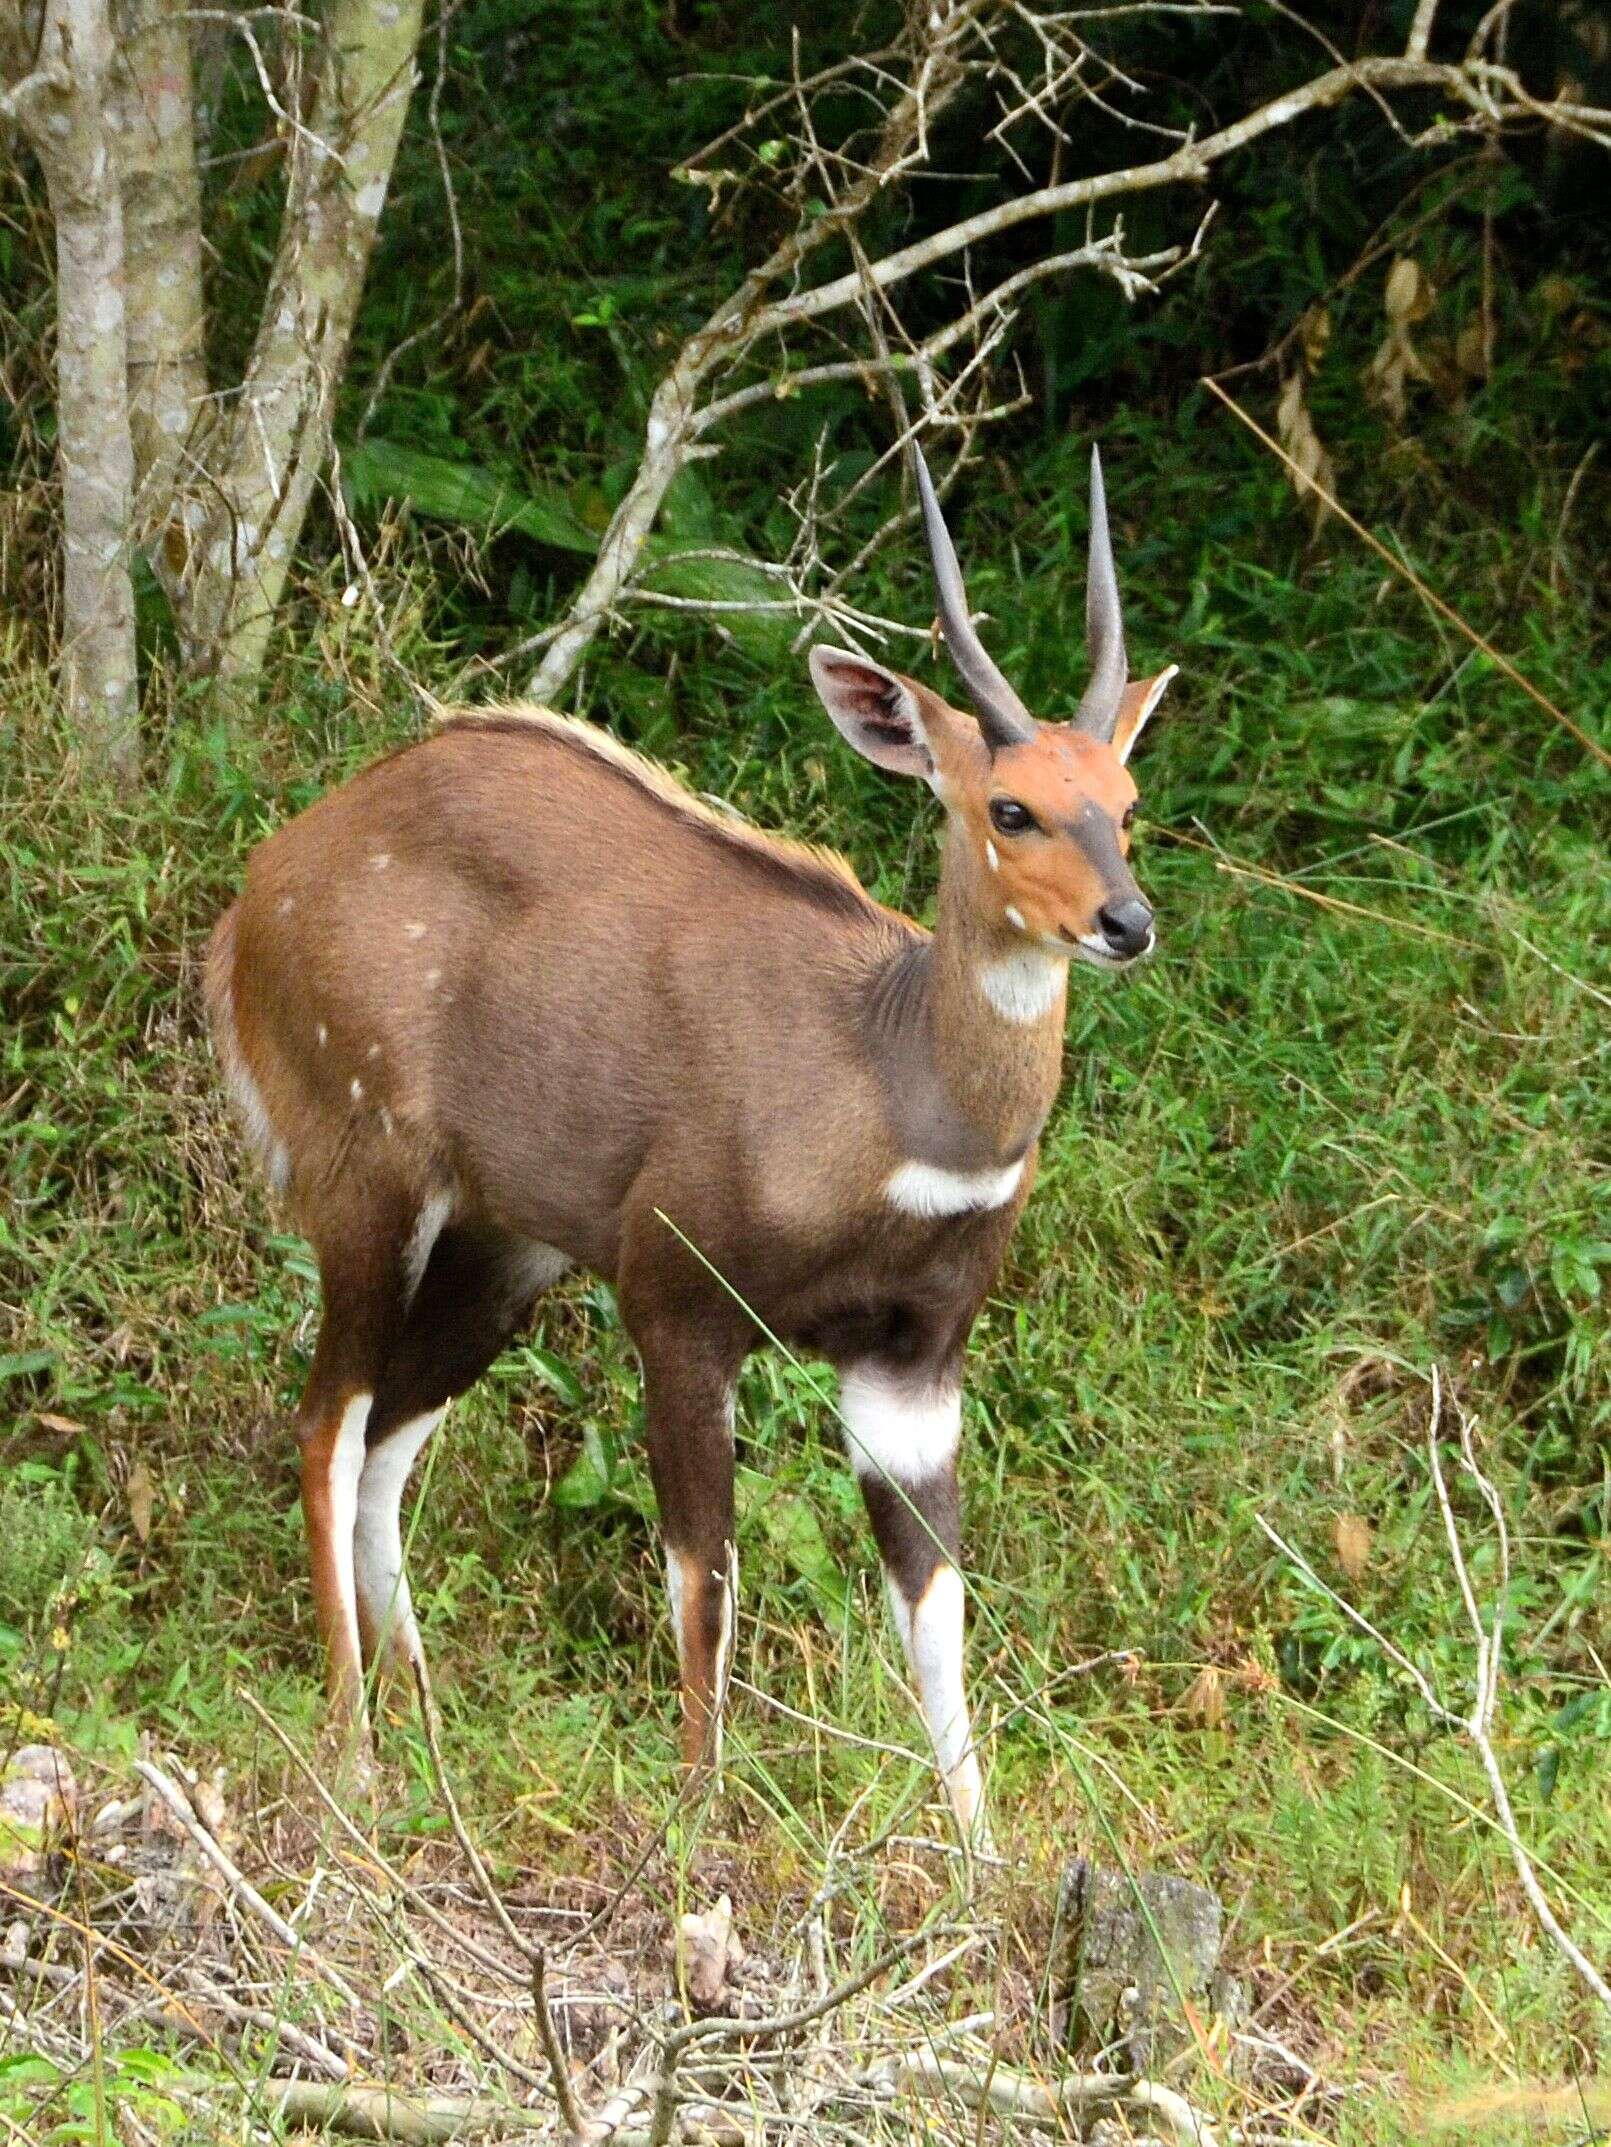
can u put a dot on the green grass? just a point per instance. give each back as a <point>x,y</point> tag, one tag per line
<point>1354,1120</point>
<point>1305,1155</point>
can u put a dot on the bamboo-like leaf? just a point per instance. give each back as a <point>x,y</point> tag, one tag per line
<point>470,496</point>
<point>463,493</point>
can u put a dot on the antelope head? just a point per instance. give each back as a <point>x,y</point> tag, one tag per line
<point>1042,810</point>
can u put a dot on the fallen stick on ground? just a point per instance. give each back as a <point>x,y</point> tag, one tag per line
<point>1008,2093</point>
<point>240,1887</point>
<point>298,2042</point>
<point>409,1893</point>
<point>383,2113</point>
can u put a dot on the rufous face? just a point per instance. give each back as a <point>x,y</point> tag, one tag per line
<point>1046,817</point>
<point>1048,824</point>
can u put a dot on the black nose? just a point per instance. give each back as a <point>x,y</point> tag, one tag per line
<point>1126,925</point>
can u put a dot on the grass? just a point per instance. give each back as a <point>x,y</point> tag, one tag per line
<point>1353,1121</point>
<point>1307,1153</point>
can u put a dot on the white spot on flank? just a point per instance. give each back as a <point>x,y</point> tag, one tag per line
<point>1024,985</point>
<point>324,1035</point>
<point>380,860</point>
<point>897,1431</point>
<point>413,930</point>
<point>287,904</point>
<point>433,977</point>
<point>357,1090</point>
<point>927,1189</point>
<point>990,853</point>
<point>1015,917</point>
<point>373,1052</point>
<point>381,1585</point>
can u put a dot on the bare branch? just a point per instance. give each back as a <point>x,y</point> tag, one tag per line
<point>1479,1724</point>
<point>1009,2093</point>
<point>1036,64</point>
<point>1426,12</point>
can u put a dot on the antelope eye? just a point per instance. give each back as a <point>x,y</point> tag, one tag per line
<point>1010,817</point>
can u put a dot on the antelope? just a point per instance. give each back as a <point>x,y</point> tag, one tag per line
<point>512,1000</point>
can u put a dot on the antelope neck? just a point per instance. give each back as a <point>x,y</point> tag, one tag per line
<point>968,1087</point>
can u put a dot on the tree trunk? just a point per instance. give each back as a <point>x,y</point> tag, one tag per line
<point>262,464</point>
<point>60,85</point>
<point>162,251</point>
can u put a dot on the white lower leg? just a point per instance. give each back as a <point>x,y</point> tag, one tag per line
<point>728,1583</point>
<point>931,1632</point>
<point>345,1467</point>
<point>687,1580</point>
<point>381,1583</point>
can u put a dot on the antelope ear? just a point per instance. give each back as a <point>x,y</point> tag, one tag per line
<point>875,710</point>
<point>1139,699</point>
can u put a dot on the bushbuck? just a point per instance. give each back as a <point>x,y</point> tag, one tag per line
<point>513,1000</point>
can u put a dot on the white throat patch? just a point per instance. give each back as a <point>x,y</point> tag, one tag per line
<point>926,1189</point>
<point>1024,985</point>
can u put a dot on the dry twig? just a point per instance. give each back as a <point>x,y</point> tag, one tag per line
<point>758,345</point>
<point>240,1888</point>
<point>1476,1724</point>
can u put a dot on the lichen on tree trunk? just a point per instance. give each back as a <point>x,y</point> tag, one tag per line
<point>58,65</point>
<point>156,153</point>
<point>264,461</point>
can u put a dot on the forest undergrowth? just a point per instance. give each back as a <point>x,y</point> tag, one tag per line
<point>1352,1123</point>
